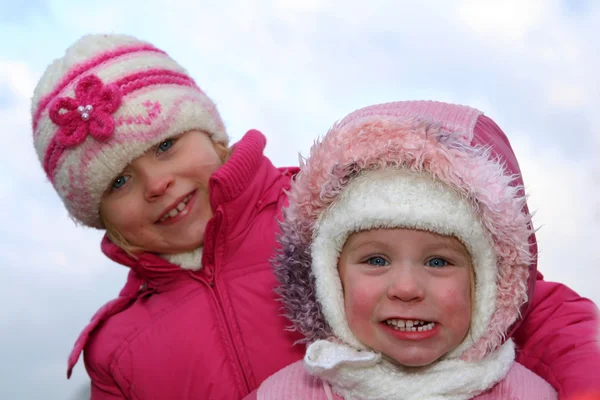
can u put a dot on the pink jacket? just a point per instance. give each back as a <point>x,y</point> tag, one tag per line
<point>293,382</point>
<point>212,334</point>
<point>557,340</point>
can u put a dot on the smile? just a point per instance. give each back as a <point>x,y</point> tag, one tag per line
<point>177,209</point>
<point>410,325</point>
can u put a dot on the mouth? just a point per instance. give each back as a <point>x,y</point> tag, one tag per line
<point>409,325</point>
<point>174,210</point>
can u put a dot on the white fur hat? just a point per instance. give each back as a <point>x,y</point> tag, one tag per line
<point>400,198</point>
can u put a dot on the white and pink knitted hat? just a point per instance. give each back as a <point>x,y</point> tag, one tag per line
<point>105,103</point>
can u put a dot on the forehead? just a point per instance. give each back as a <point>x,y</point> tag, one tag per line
<point>397,236</point>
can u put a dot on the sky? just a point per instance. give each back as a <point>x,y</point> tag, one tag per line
<point>291,68</point>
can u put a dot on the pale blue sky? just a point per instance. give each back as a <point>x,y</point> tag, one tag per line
<point>290,68</point>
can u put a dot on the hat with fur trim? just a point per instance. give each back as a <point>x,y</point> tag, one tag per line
<point>424,165</point>
<point>103,104</point>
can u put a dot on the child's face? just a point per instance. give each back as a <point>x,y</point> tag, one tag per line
<point>160,203</point>
<point>394,277</point>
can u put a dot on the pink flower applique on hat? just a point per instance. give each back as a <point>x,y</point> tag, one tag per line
<point>90,112</point>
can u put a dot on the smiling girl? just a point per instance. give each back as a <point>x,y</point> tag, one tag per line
<point>133,146</point>
<point>406,261</point>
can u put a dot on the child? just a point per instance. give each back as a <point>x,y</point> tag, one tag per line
<point>197,317</point>
<point>407,257</point>
<point>132,145</point>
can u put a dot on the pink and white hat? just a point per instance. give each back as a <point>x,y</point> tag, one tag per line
<point>103,104</point>
<point>424,165</point>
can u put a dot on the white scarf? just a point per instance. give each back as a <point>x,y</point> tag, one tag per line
<point>190,260</point>
<point>365,375</point>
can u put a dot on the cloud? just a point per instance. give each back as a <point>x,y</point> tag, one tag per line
<point>291,68</point>
<point>48,264</point>
<point>508,21</point>
<point>564,197</point>
<point>566,95</point>
<point>14,11</point>
<point>18,77</point>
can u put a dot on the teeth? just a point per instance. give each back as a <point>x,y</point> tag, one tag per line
<point>409,325</point>
<point>177,209</point>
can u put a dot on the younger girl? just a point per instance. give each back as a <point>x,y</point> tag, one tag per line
<point>133,145</point>
<point>406,260</point>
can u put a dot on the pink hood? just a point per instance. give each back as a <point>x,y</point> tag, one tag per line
<point>459,146</point>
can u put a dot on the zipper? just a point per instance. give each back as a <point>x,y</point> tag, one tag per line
<point>210,280</point>
<point>215,292</point>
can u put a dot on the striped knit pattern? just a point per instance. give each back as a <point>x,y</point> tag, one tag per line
<point>453,117</point>
<point>158,100</point>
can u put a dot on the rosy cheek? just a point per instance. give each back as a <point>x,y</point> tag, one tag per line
<point>359,306</point>
<point>457,303</point>
<point>452,294</point>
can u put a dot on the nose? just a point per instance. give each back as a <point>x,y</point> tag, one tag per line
<point>157,184</point>
<point>406,284</point>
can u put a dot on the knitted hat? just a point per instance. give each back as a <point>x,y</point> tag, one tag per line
<point>105,103</point>
<point>424,165</point>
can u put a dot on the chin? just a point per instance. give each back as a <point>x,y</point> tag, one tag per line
<point>190,247</point>
<point>185,245</point>
<point>411,362</point>
<point>178,248</point>
<point>196,233</point>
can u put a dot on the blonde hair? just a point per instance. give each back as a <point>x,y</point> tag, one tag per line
<point>223,151</point>
<point>117,238</point>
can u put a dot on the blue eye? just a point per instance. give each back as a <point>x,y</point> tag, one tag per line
<point>119,182</point>
<point>377,261</point>
<point>165,145</point>
<point>436,263</point>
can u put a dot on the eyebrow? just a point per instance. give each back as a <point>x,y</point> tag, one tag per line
<point>360,244</point>
<point>447,242</point>
<point>444,242</point>
<point>455,250</point>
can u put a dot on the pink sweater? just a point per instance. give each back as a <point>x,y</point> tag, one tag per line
<point>293,382</point>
